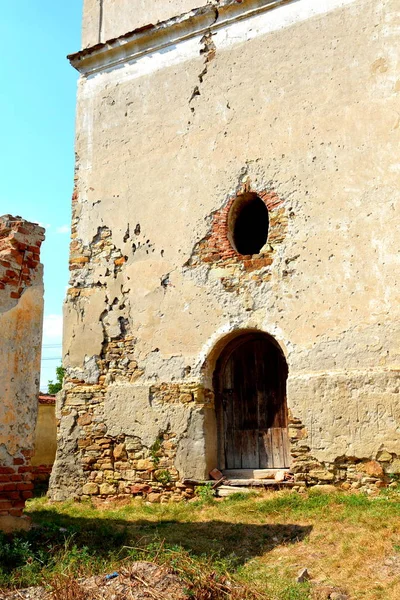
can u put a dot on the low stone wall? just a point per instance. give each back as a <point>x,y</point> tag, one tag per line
<point>93,459</point>
<point>96,459</point>
<point>348,472</point>
<point>21,315</point>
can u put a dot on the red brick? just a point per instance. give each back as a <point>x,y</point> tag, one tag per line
<point>7,487</point>
<point>7,471</point>
<point>27,494</point>
<point>28,453</point>
<point>24,486</point>
<point>14,495</point>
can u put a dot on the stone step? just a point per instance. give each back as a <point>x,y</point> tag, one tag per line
<point>252,473</point>
<point>246,486</point>
<point>256,482</point>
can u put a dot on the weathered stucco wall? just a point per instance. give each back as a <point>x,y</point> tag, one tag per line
<point>21,314</point>
<point>107,19</point>
<point>301,104</point>
<point>45,439</point>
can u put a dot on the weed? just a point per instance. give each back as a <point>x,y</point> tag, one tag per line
<point>154,450</point>
<point>163,476</point>
<point>205,492</point>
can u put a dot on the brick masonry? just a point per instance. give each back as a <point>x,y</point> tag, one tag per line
<point>21,314</point>
<point>217,251</point>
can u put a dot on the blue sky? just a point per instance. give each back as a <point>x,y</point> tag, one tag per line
<point>37,108</point>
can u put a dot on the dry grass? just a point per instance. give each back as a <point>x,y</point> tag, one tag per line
<point>240,547</point>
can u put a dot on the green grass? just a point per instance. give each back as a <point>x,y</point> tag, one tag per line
<point>259,542</point>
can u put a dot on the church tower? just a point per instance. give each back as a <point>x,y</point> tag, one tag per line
<point>234,294</point>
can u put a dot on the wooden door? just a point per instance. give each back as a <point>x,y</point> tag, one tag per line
<point>252,405</point>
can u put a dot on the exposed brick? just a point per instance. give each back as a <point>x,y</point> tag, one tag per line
<point>6,471</point>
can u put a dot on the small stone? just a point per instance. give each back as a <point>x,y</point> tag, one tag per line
<point>107,489</point>
<point>371,468</point>
<point>322,475</point>
<point>394,467</point>
<point>325,488</point>
<point>153,497</point>
<point>140,488</point>
<point>346,486</point>
<point>384,456</point>
<point>90,489</point>
<point>145,465</point>
<point>119,451</point>
<point>302,576</point>
<point>85,419</point>
<point>280,476</point>
<point>185,398</point>
<point>380,484</point>
<point>338,596</point>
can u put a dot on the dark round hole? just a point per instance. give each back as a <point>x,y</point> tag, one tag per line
<point>250,227</point>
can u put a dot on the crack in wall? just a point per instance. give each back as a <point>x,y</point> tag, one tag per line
<point>209,51</point>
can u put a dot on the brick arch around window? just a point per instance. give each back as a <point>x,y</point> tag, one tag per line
<point>217,249</point>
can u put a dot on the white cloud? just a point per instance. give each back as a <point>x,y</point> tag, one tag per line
<point>52,328</point>
<point>45,225</point>
<point>63,229</point>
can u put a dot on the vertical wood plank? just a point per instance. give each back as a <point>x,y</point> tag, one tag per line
<point>266,453</point>
<point>250,454</point>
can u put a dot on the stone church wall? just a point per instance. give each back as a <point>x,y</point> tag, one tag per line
<point>21,316</point>
<point>298,104</point>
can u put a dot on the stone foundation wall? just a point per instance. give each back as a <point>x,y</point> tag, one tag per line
<point>347,472</point>
<point>94,461</point>
<point>21,314</point>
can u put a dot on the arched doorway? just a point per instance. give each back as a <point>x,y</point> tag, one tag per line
<point>250,389</point>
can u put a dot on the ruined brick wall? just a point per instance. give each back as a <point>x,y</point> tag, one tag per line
<point>297,103</point>
<point>21,316</point>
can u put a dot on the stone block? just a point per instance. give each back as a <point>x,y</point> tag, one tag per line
<point>107,489</point>
<point>119,451</point>
<point>90,489</point>
<point>154,497</point>
<point>394,467</point>
<point>384,456</point>
<point>371,468</point>
<point>322,475</point>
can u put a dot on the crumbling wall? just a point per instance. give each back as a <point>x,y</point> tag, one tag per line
<point>299,105</point>
<point>21,316</point>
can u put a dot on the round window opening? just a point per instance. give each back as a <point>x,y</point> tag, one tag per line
<point>248,224</point>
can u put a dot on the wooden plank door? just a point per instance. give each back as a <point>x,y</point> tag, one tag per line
<point>252,389</point>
